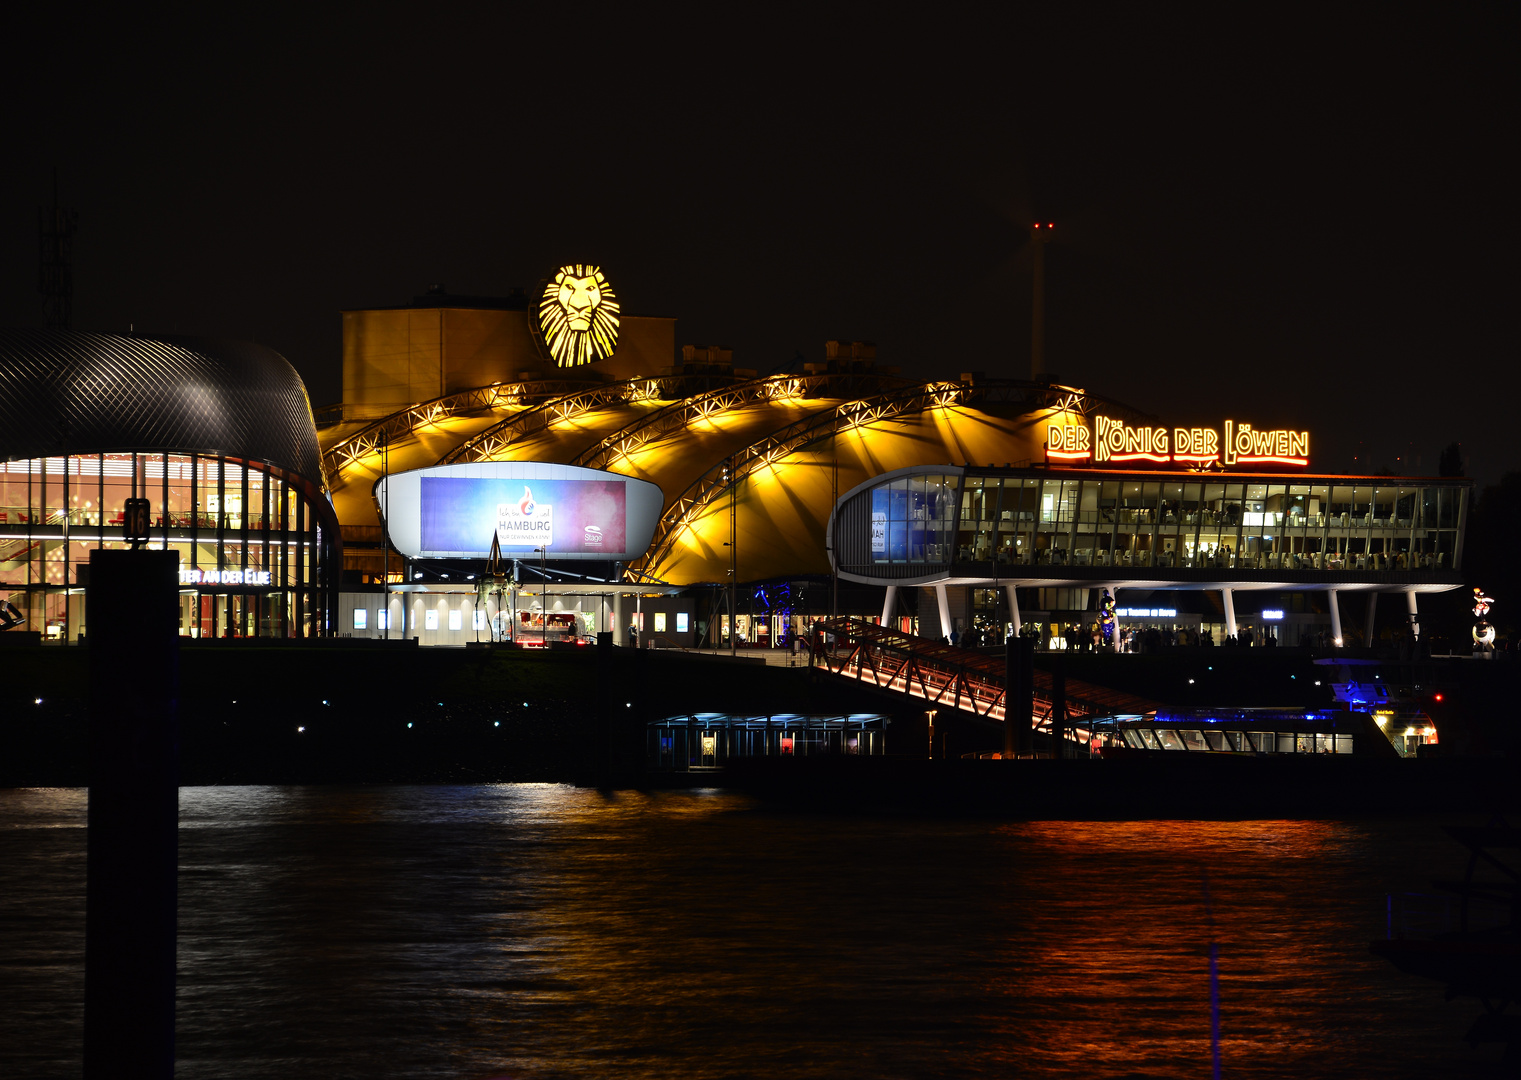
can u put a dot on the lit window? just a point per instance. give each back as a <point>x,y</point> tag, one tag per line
<point>456,619</point>
<point>659,622</point>
<point>681,622</point>
<point>430,619</point>
<point>1169,739</point>
<point>361,618</point>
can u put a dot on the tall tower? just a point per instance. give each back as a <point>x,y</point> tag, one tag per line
<point>1039,235</point>
<point>55,269</point>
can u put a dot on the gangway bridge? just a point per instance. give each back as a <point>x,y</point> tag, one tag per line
<point>948,677</point>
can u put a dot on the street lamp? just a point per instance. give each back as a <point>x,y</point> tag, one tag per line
<point>543,597</point>
<point>931,714</point>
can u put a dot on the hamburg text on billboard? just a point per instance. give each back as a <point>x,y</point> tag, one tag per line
<point>461,513</point>
<point>525,523</point>
<point>1115,440</point>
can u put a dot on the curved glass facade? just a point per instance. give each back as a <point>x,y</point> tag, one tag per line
<point>256,543</point>
<point>915,522</point>
<point>913,519</point>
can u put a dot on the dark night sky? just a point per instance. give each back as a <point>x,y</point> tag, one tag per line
<point>1299,220</point>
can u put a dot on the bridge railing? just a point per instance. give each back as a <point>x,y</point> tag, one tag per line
<point>951,677</point>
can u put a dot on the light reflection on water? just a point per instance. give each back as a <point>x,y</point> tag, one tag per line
<point>539,930</point>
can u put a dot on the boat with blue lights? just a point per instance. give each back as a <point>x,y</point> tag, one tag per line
<point>1370,718</point>
<point>1245,732</point>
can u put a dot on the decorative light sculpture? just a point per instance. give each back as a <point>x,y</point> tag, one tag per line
<point>578,316</point>
<point>1483,632</point>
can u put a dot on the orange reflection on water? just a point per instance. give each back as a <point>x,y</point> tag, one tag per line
<point>1111,960</point>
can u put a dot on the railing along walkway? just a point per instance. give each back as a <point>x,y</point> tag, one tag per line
<point>951,677</point>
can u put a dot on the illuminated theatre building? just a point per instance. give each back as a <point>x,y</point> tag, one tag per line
<point>218,436</point>
<point>663,478</point>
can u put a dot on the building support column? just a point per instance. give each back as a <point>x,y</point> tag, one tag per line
<point>1415,616</point>
<point>1368,627</point>
<point>1335,618</point>
<point>1014,608</point>
<point>620,631</point>
<point>945,612</point>
<point>1058,709</point>
<point>888,603</point>
<point>1230,612</point>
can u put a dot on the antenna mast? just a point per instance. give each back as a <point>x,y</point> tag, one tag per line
<point>55,270</point>
<point>1039,235</point>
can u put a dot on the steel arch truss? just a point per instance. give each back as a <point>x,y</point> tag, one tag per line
<point>677,417</point>
<point>847,416</point>
<point>399,425</point>
<point>490,444</point>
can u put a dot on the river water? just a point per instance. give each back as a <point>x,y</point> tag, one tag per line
<point>547,931</point>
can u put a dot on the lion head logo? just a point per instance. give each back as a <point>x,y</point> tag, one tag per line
<point>578,316</point>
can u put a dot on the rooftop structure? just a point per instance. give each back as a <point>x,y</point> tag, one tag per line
<point>218,436</point>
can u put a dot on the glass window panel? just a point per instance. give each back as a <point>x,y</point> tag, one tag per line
<point>15,487</point>
<point>1133,739</point>
<point>232,495</point>
<point>1050,503</point>
<point>180,470</point>
<point>361,619</point>
<point>207,502</point>
<point>1304,744</point>
<point>1192,740</point>
<point>1344,744</point>
<point>1215,739</point>
<point>1169,739</point>
<point>1285,742</point>
<point>879,502</point>
<point>255,499</point>
<point>50,490</point>
<point>1149,739</point>
<point>1235,741</point>
<point>84,490</point>
<point>1264,742</point>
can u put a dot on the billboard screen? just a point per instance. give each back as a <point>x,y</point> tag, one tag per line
<point>461,513</point>
<point>452,511</point>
